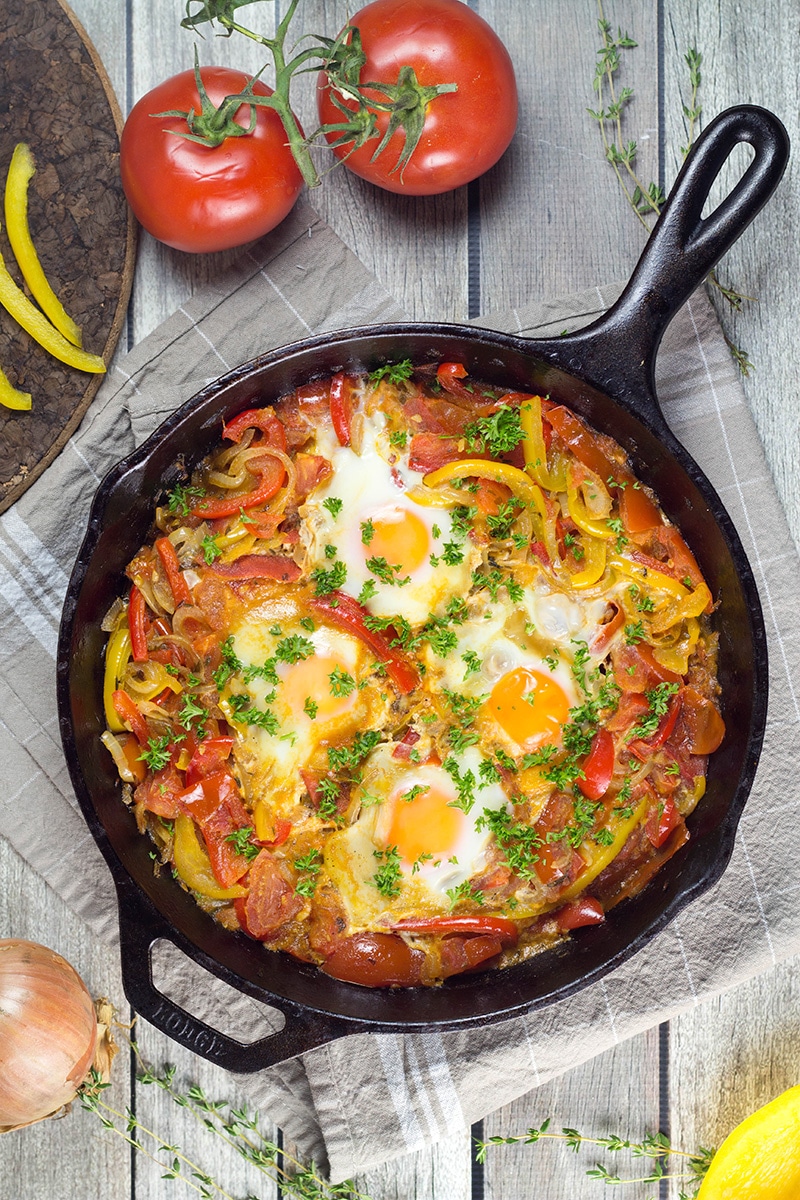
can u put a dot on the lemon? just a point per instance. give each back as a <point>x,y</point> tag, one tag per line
<point>760,1159</point>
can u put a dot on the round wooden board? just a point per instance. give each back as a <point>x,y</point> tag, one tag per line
<point>56,96</point>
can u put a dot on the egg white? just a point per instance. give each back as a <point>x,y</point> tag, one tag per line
<point>373,485</point>
<point>352,854</point>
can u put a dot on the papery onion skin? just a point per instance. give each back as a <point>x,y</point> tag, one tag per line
<point>48,1033</point>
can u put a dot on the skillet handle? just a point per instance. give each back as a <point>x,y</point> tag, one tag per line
<point>140,927</point>
<point>681,250</point>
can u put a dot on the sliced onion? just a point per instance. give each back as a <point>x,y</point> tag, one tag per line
<point>48,1033</point>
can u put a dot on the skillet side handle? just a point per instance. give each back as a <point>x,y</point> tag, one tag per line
<point>304,1030</point>
<point>683,247</point>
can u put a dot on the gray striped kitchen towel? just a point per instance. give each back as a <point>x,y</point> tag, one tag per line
<point>370,1097</point>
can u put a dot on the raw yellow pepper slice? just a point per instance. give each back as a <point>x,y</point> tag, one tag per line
<point>11,397</point>
<point>20,173</point>
<point>603,855</point>
<point>194,866</point>
<point>34,322</point>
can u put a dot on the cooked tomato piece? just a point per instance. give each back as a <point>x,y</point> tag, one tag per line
<point>375,960</point>
<point>259,566</point>
<point>429,451</point>
<point>637,670</point>
<point>160,793</point>
<point>271,901</point>
<point>460,954</point>
<point>701,726</point>
<point>312,470</point>
<point>215,805</point>
<point>208,758</point>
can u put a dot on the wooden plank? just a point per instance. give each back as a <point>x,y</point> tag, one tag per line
<point>734,1053</point>
<point>74,1156</point>
<point>553,217</point>
<point>617,1092</point>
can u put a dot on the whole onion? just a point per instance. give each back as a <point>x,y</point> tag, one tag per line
<point>48,1033</point>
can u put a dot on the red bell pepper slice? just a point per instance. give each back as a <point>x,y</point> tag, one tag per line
<point>661,821</point>
<point>137,624</point>
<point>406,744</point>
<point>257,418</point>
<point>272,472</point>
<point>499,927</point>
<point>172,569</point>
<point>598,766</point>
<point>345,612</point>
<point>341,402</point>
<point>128,712</point>
<point>215,805</point>
<point>281,827</point>
<point>583,911</point>
<point>606,633</point>
<point>259,566</point>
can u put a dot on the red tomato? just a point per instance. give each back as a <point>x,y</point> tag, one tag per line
<point>198,198</point>
<point>465,131</point>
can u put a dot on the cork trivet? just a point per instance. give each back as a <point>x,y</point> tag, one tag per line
<point>56,96</point>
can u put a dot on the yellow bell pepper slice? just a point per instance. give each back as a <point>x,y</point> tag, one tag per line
<point>483,468</point>
<point>34,322</point>
<point>581,515</point>
<point>603,855</point>
<point>118,652</point>
<point>533,447</point>
<point>20,173</point>
<point>676,658</point>
<point>194,866</point>
<point>690,606</point>
<point>10,397</point>
<point>652,579</point>
<point>593,563</point>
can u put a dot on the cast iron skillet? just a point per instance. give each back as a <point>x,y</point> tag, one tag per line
<point>605,373</point>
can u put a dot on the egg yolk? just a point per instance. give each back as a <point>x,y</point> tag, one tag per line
<point>401,537</point>
<point>310,679</point>
<point>426,824</point>
<point>529,706</point>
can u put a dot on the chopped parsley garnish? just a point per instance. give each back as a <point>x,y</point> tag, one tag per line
<point>539,757</point>
<point>398,437</point>
<point>347,758</point>
<point>240,839</point>
<point>473,663</point>
<point>643,603</point>
<point>387,878</point>
<point>499,523</point>
<point>157,754</point>
<point>292,649</point>
<point>493,579</point>
<point>418,789</point>
<point>367,531</point>
<point>244,713</point>
<point>310,865</point>
<point>386,572</point>
<point>334,505</point>
<point>342,684</point>
<point>178,499</point>
<point>192,712</point>
<point>329,799</point>
<point>464,891</point>
<point>229,665</point>
<point>307,623</point>
<point>634,632</point>
<point>659,700</point>
<point>325,581</point>
<point>497,434</point>
<point>392,372</point>
<point>310,708</point>
<point>211,550</point>
<point>266,671</point>
<point>517,841</point>
<point>369,589</point>
<point>330,551</point>
<point>465,784</point>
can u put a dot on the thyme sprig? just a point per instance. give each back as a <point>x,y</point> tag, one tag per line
<point>236,1127</point>
<point>647,200</point>
<point>653,1146</point>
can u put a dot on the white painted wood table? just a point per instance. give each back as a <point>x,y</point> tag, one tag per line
<point>549,220</point>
